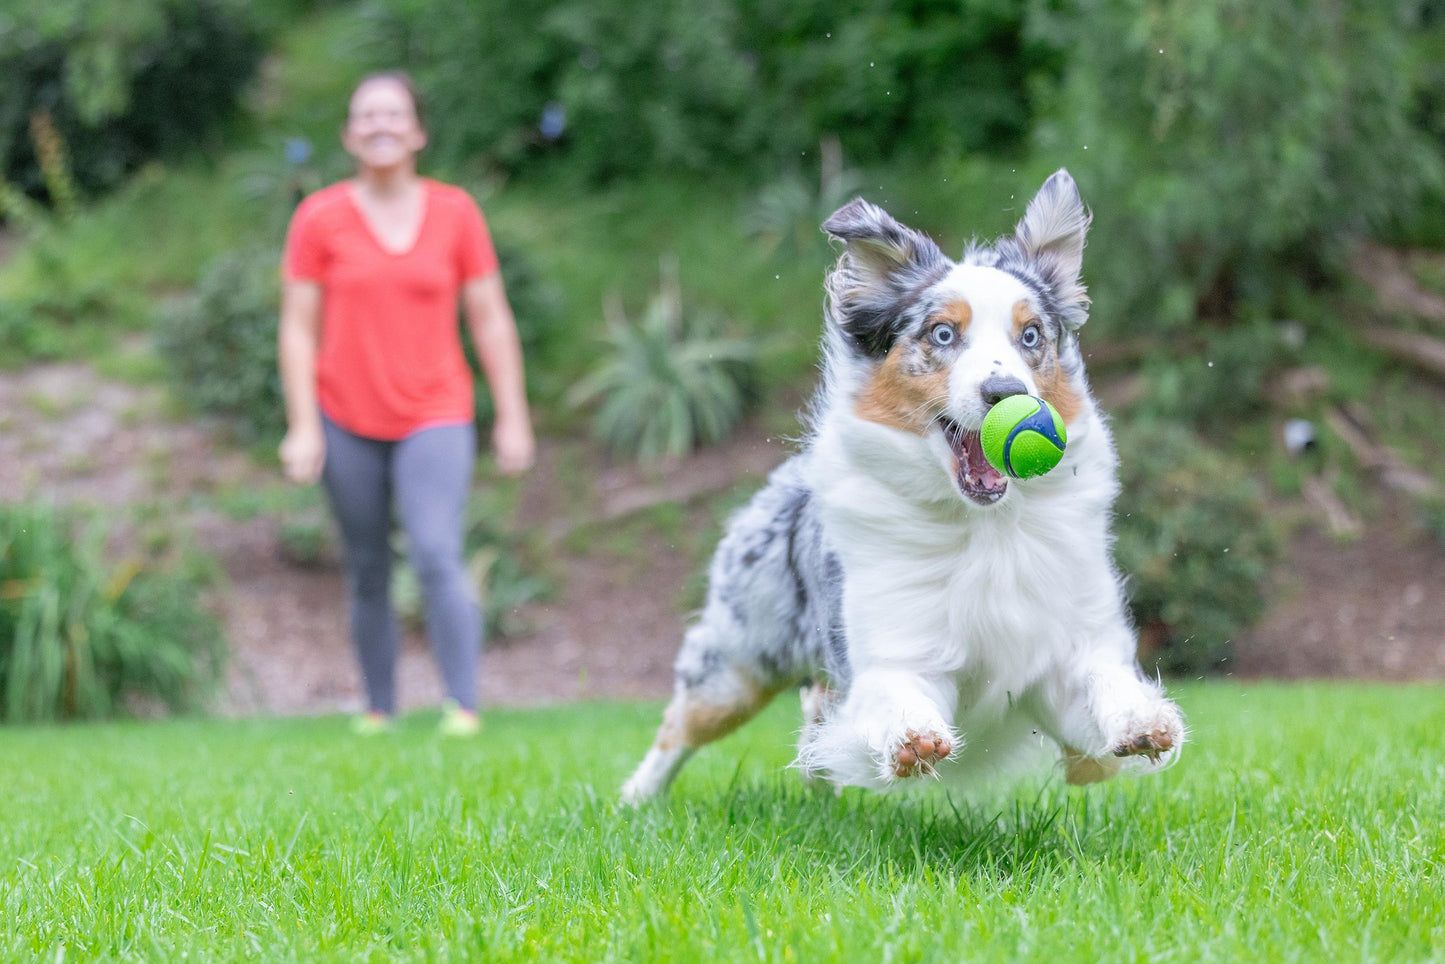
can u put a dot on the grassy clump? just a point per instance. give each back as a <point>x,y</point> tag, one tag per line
<point>1293,828</point>
<point>81,638</point>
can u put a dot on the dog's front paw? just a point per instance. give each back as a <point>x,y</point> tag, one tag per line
<point>920,753</point>
<point>1155,736</point>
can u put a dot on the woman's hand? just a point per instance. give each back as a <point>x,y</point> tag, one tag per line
<point>303,454</point>
<point>515,445</point>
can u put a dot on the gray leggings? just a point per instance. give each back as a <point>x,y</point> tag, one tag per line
<point>427,476</point>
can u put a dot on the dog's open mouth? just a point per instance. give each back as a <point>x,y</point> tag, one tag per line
<point>975,477</point>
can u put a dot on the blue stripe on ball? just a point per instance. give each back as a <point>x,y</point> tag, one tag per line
<point>1040,421</point>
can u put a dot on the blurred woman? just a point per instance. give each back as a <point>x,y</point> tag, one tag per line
<point>379,401</point>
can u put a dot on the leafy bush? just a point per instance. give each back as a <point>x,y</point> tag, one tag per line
<point>123,80</point>
<point>221,342</point>
<point>620,88</point>
<point>1194,542</point>
<point>667,381</point>
<point>1219,376</point>
<point>78,637</point>
<point>1231,150</point>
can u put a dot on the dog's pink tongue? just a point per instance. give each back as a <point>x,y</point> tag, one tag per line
<point>980,469</point>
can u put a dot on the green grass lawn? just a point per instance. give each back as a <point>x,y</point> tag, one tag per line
<point>1303,824</point>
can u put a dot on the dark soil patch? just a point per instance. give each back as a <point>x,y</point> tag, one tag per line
<point>1373,608</point>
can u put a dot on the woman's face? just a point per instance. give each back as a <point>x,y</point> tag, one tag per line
<point>382,130</point>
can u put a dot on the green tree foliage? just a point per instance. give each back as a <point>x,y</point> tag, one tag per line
<point>1424,225</point>
<point>1232,149</point>
<point>78,637</point>
<point>122,80</point>
<point>736,84</point>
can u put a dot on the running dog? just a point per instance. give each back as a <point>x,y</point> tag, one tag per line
<point>933,609</point>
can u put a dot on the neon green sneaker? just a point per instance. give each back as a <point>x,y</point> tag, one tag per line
<point>458,722</point>
<point>370,724</point>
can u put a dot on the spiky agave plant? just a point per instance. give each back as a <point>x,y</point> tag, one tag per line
<point>669,380</point>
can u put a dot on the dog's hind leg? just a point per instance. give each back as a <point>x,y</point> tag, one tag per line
<point>712,698</point>
<point>761,629</point>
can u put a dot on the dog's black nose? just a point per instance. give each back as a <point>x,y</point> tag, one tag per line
<point>996,388</point>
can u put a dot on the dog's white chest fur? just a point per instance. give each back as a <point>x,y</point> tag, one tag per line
<point>991,598</point>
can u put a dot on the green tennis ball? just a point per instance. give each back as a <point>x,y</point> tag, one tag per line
<point>1023,436</point>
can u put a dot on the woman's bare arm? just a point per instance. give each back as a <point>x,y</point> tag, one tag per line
<point>298,341</point>
<point>494,332</point>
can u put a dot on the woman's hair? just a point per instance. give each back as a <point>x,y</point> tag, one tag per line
<point>401,78</point>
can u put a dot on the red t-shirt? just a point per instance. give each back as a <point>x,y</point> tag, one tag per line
<point>391,358</point>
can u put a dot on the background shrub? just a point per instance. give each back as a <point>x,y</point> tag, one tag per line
<point>221,342</point>
<point>123,80</point>
<point>1194,542</point>
<point>79,637</point>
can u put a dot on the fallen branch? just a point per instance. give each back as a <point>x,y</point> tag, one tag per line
<point>1389,274</point>
<point>1104,354</point>
<point>1420,351</point>
<point>1392,470</point>
<point>1338,517</point>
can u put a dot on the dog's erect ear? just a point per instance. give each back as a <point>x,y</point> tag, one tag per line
<point>1052,235</point>
<point>883,264</point>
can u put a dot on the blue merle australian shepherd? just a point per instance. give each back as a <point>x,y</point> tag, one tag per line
<point>933,609</point>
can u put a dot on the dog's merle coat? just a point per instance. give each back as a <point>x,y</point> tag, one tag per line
<point>888,565</point>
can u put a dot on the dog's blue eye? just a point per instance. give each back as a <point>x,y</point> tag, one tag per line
<point>1031,337</point>
<point>942,335</point>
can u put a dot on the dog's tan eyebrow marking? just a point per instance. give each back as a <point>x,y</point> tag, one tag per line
<point>1054,383</point>
<point>957,313</point>
<point>1023,315</point>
